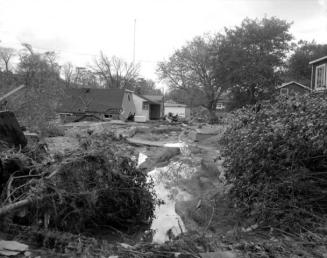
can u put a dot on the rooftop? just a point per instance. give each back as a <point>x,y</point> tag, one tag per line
<point>78,100</point>
<point>291,82</point>
<point>318,60</point>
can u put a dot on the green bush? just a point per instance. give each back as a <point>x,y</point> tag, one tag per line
<point>276,162</point>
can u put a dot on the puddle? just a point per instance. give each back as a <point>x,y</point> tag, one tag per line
<point>141,159</point>
<point>182,145</point>
<point>167,222</point>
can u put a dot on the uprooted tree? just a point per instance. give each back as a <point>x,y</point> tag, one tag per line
<point>276,163</point>
<point>86,190</point>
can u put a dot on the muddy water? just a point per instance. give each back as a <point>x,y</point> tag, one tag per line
<point>167,222</point>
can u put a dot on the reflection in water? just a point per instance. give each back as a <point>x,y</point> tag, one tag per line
<point>167,222</point>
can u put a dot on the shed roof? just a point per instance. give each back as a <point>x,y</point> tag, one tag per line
<point>78,100</point>
<point>168,104</point>
<point>154,98</point>
<point>293,82</point>
<point>151,99</point>
<point>318,60</point>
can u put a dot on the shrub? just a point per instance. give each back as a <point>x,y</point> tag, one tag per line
<point>52,130</point>
<point>276,162</point>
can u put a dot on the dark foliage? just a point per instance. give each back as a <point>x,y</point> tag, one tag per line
<point>276,161</point>
<point>92,188</point>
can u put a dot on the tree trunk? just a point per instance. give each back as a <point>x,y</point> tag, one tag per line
<point>213,119</point>
<point>15,206</point>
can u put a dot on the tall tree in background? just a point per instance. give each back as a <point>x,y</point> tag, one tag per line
<point>85,78</point>
<point>197,67</point>
<point>41,75</point>
<point>192,97</point>
<point>254,54</point>
<point>6,54</point>
<point>146,87</point>
<point>114,72</point>
<point>68,73</point>
<point>298,63</point>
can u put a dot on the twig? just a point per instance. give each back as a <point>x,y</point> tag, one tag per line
<point>210,220</point>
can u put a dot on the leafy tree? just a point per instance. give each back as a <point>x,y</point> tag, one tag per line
<point>254,54</point>
<point>298,63</point>
<point>146,87</point>
<point>192,98</point>
<point>41,75</point>
<point>114,72</point>
<point>197,67</point>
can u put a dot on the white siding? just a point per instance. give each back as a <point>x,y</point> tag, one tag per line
<point>138,102</point>
<point>180,111</point>
<point>128,106</point>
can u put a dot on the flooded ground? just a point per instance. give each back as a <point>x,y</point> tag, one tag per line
<point>180,181</point>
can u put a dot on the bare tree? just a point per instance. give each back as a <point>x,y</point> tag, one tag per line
<point>84,77</point>
<point>114,72</point>
<point>6,54</point>
<point>68,72</point>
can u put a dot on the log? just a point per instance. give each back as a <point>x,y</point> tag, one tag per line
<point>15,206</point>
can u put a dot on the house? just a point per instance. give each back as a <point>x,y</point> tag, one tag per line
<point>293,88</point>
<point>147,107</point>
<point>181,110</point>
<point>223,102</point>
<point>95,104</point>
<point>319,74</point>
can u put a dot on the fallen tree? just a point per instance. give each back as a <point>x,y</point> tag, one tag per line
<point>276,163</point>
<point>82,191</point>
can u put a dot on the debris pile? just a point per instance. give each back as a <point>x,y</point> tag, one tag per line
<point>83,191</point>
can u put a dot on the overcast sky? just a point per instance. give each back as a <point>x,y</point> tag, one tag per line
<point>79,29</point>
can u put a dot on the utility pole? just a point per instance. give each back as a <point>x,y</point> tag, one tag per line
<point>134,41</point>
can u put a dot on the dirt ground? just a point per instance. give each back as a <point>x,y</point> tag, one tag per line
<point>190,168</point>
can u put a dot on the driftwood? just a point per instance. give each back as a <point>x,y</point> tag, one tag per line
<point>5,210</point>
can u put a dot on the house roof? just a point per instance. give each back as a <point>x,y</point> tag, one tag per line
<point>224,99</point>
<point>150,98</point>
<point>154,98</point>
<point>318,60</point>
<point>291,82</point>
<point>78,100</point>
<point>167,104</point>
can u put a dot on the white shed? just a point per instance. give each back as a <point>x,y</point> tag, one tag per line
<point>178,109</point>
<point>147,107</point>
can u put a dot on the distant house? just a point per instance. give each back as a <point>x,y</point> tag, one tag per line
<point>181,110</point>
<point>95,104</point>
<point>293,88</point>
<point>319,74</point>
<point>223,103</point>
<point>147,107</point>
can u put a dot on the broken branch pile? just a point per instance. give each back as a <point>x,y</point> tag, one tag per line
<point>85,191</point>
<point>276,162</point>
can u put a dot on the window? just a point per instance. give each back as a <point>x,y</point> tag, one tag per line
<point>145,106</point>
<point>220,106</point>
<point>320,77</point>
<point>284,91</point>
